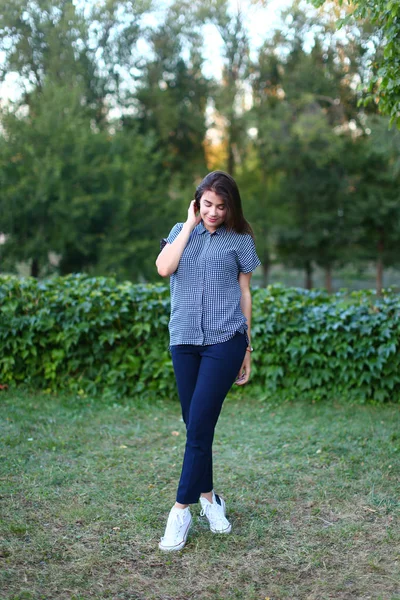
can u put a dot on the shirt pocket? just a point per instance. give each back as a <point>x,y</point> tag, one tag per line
<point>222,267</point>
<point>191,257</point>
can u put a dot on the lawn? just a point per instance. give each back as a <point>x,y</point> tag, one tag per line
<point>312,490</point>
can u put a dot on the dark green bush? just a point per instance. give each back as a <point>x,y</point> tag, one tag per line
<point>92,335</point>
<point>86,335</point>
<point>343,345</point>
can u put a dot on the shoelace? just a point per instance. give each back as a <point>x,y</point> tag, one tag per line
<point>204,511</point>
<point>215,514</point>
<point>179,520</point>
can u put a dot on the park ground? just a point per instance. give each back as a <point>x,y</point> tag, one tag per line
<point>312,490</point>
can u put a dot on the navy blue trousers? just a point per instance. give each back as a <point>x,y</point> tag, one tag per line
<point>204,376</point>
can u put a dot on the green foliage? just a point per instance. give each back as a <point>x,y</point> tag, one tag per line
<point>301,102</point>
<point>70,42</point>
<point>321,176</point>
<point>374,196</point>
<point>103,148</point>
<point>85,334</point>
<point>172,98</point>
<point>52,175</point>
<point>92,335</point>
<point>385,83</point>
<point>83,191</point>
<point>96,199</point>
<point>327,344</point>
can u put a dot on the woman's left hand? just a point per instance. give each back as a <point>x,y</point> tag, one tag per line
<point>245,369</point>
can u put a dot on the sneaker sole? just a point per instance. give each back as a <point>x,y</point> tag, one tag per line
<point>227,530</point>
<point>178,546</point>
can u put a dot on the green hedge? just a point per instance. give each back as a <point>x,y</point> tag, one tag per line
<point>94,335</point>
<point>341,345</point>
<point>86,335</point>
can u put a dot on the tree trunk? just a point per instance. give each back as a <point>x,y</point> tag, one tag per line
<point>35,268</point>
<point>328,279</point>
<point>265,274</point>
<point>308,269</point>
<point>379,264</point>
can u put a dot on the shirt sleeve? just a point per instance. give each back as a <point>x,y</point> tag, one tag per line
<point>247,255</point>
<point>173,234</point>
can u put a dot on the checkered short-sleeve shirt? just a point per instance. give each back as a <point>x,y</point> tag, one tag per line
<point>205,291</point>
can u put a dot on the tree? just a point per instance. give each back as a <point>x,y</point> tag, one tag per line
<point>51,168</point>
<point>98,200</point>
<point>56,40</point>
<point>260,175</point>
<point>140,207</point>
<point>385,83</point>
<point>229,94</point>
<point>57,151</point>
<point>302,105</point>
<point>48,41</point>
<point>171,98</point>
<point>374,195</point>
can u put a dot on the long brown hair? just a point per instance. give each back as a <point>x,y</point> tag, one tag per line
<point>226,187</point>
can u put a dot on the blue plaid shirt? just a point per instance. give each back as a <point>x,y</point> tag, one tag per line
<point>205,291</point>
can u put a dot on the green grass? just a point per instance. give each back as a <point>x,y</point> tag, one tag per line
<point>313,493</point>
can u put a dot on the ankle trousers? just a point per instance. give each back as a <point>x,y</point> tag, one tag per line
<point>204,375</point>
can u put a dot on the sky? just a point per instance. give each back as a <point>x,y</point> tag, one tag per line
<point>261,21</point>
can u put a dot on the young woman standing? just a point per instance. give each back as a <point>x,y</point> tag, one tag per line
<point>210,259</point>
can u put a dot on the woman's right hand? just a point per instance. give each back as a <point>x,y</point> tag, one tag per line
<point>192,218</point>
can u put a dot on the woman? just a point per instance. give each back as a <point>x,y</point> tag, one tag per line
<point>210,259</point>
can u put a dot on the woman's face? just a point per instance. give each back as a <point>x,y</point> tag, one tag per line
<point>212,210</point>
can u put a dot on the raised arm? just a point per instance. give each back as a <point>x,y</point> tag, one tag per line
<point>168,260</point>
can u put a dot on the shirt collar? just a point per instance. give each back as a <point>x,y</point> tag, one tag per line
<point>201,229</point>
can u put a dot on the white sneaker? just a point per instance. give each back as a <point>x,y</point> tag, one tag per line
<point>215,513</point>
<point>177,529</point>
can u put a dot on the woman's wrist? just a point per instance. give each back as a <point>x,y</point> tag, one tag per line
<point>189,226</point>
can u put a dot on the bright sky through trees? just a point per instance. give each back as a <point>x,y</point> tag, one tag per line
<point>260,21</point>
